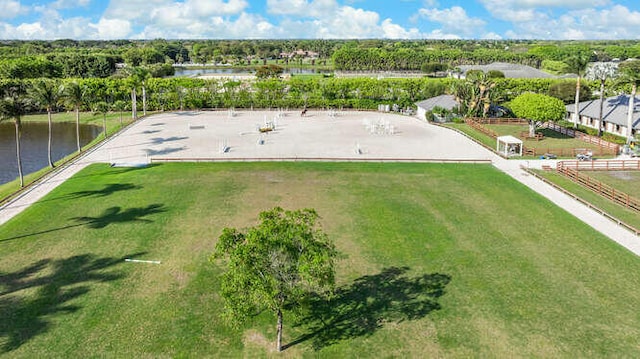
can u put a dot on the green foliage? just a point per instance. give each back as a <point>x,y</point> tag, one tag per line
<point>555,67</point>
<point>495,74</point>
<point>538,107</point>
<point>275,264</point>
<point>566,91</point>
<point>269,71</point>
<point>433,67</point>
<point>29,67</point>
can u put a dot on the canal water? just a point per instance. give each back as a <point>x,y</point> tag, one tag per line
<point>33,145</point>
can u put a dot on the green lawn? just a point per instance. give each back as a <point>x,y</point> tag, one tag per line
<point>439,261</point>
<point>553,142</point>
<point>625,181</point>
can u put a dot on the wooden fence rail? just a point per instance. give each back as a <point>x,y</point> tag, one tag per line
<point>602,165</point>
<point>583,137</point>
<point>600,188</point>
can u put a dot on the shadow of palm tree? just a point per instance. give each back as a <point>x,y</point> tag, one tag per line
<point>361,308</point>
<point>165,151</point>
<point>103,192</point>
<point>160,140</point>
<point>117,215</point>
<point>108,216</point>
<point>55,284</point>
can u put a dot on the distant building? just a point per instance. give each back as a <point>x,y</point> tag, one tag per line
<point>447,102</point>
<point>614,114</point>
<point>515,71</point>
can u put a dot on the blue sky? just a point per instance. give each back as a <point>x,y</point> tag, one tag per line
<point>327,19</point>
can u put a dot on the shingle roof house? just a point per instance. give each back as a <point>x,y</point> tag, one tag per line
<point>614,114</point>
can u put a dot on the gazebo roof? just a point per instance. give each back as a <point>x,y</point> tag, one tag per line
<point>509,139</point>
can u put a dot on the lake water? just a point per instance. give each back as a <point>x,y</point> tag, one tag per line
<point>33,145</point>
<point>184,72</point>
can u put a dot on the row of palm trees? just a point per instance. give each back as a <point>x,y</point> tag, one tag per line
<point>47,94</point>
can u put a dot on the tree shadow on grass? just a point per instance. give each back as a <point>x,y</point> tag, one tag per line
<point>107,190</point>
<point>52,286</point>
<point>361,308</point>
<point>109,216</point>
<point>118,215</point>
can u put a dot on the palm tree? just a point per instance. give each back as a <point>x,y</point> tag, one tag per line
<point>602,71</point>
<point>12,107</point>
<point>75,96</point>
<point>102,108</point>
<point>138,77</point>
<point>577,65</point>
<point>46,94</point>
<point>630,74</point>
<point>119,106</point>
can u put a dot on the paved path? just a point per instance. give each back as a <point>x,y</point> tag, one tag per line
<point>318,135</point>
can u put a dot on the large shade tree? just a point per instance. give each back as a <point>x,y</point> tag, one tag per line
<point>12,107</point>
<point>46,94</point>
<point>629,72</point>
<point>537,109</point>
<point>274,264</point>
<point>577,65</point>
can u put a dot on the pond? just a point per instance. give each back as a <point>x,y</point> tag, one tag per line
<point>33,145</point>
<point>191,72</point>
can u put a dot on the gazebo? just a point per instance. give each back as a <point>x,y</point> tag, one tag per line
<point>509,146</point>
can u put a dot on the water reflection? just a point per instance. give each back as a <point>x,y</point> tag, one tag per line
<point>33,143</point>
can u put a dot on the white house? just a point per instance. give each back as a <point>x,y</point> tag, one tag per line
<point>614,114</point>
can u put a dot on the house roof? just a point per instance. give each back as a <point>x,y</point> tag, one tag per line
<point>614,110</point>
<point>448,102</point>
<point>509,70</point>
<point>509,139</point>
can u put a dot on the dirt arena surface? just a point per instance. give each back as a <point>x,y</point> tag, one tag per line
<point>317,135</point>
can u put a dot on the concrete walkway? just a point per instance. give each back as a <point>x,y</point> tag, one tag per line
<point>318,135</point>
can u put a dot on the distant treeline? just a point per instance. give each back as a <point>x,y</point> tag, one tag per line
<point>87,59</point>
<point>359,93</point>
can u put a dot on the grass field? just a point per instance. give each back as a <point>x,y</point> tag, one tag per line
<point>439,261</point>
<point>553,141</point>
<point>624,181</point>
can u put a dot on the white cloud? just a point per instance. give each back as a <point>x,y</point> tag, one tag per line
<point>108,29</point>
<point>302,8</point>
<point>395,31</point>
<point>617,22</point>
<point>11,8</point>
<point>454,21</point>
<point>66,4</point>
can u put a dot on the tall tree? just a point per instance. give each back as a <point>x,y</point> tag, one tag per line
<point>12,107</point>
<point>602,71</point>
<point>577,65</point>
<point>75,95</point>
<point>537,108</point>
<point>102,107</point>
<point>138,77</point>
<point>275,264</point>
<point>630,74</point>
<point>46,93</point>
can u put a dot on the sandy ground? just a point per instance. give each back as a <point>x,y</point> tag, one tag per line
<point>319,135</point>
<point>345,135</point>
